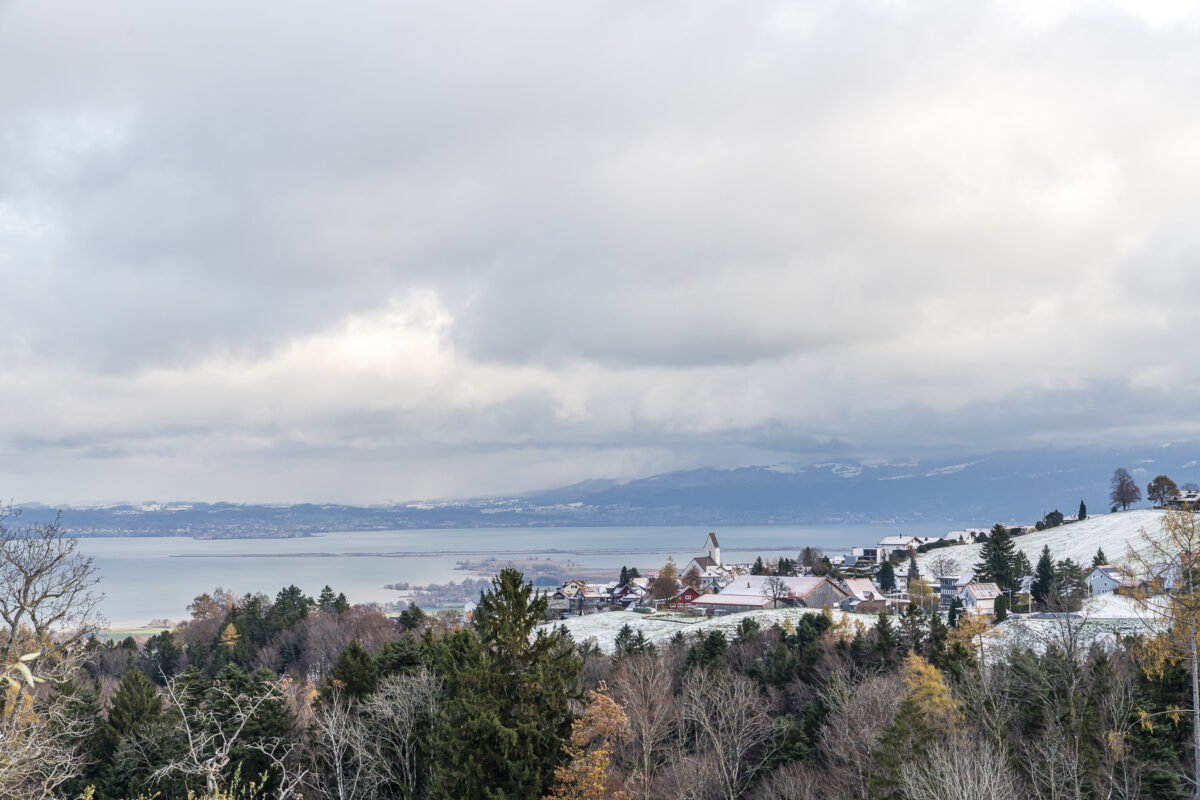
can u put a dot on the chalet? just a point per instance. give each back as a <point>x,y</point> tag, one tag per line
<point>754,591</point>
<point>1105,579</point>
<point>711,558</point>
<point>685,598</point>
<point>980,598</point>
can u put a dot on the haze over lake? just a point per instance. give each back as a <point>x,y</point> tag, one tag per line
<point>145,578</point>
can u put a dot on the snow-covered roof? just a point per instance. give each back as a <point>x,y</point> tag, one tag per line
<point>862,589</point>
<point>983,591</point>
<point>726,599</point>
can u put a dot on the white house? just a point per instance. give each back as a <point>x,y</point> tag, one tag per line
<point>861,590</point>
<point>980,598</point>
<point>949,586</point>
<point>1104,579</point>
<point>890,544</point>
<point>752,591</point>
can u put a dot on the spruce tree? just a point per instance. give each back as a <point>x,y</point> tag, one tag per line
<point>998,560</point>
<point>624,579</point>
<point>1043,583</point>
<point>952,614</point>
<point>136,704</point>
<point>411,618</point>
<point>341,605</point>
<point>1082,511</point>
<point>327,600</point>
<point>887,577</point>
<point>757,568</point>
<point>885,641</point>
<point>508,689</point>
<point>914,573</point>
<point>1001,608</point>
<point>1099,558</point>
<point>355,671</point>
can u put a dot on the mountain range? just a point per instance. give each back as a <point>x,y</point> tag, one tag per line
<point>1016,487</point>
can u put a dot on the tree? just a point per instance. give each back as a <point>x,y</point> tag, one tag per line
<point>758,568</point>
<point>135,704</point>
<point>1042,587</point>
<point>914,572</point>
<point>506,708</point>
<point>1001,608</point>
<point>397,720</point>
<point>355,673</point>
<point>886,577</point>
<point>327,600</point>
<point>1174,616</point>
<point>602,727</point>
<point>643,686</point>
<point>1082,511</point>
<point>956,607</point>
<point>998,561</point>
<point>776,589</point>
<point>1125,491</point>
<point>411,618</point>
<point>667,584</point>
<point>1053,519</point>
<point>727,718</point>
<point>1161,489</point>
<point>1099,558</point>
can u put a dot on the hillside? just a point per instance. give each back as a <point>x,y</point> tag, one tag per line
<point>1114,533</point>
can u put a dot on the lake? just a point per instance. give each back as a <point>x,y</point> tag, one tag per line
<point>145,578</point>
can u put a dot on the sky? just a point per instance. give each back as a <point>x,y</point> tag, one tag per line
<point>368,252</point>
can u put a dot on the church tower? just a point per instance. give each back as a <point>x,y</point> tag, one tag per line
<point>712,549</point>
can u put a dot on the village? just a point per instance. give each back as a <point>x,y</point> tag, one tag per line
<point>881,578</point>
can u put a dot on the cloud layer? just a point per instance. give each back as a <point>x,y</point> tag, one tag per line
<point>387,251</point>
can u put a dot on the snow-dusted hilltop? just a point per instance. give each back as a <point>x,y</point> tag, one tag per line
<point>1114,533</point>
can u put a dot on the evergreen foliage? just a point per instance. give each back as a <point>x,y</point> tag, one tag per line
<point>998,562</point>
<point>886,577</point>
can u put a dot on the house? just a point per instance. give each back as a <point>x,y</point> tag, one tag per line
<point>754,591</point>
<point>891,544</point>
<point>861,591</point>
<point>964,536</point>
<point>866,555</point>
<point>949,586</point>
<point>685,598</point>
<point>980,598</point>
<point>1105,579</point>
<point>711,558</point>
<point>1184,498</point>
<point>717,577</point>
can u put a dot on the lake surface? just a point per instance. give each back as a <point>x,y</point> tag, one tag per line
<point>145,578</point>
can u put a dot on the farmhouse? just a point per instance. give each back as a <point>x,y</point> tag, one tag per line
<point>861,591</point>
<point>749,592</point>
<point>1105,579</point>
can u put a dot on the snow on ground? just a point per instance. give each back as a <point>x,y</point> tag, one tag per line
<point>658,628</point>
<point>1114,533</point>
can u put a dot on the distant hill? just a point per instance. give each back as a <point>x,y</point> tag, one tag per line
<point>1015,487</point>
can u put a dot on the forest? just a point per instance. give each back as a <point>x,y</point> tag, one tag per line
<point>290,696</point>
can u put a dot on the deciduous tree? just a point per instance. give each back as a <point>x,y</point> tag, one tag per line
<point>1125,491</point>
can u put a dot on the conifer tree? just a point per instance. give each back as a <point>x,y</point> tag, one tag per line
<point>508,689</point>
<point>1001,608</point>
<point>1099,558</point>
<point>887,577</point>
<point>956,606</point>
<point>1082,511</point>
<point>885,641</point>
<point>1042,587</point>
<point>998,560</point>
<point>757,568</point>
<point>355,671</point>
<point>914,572</point>
<point>341,605</point>
<point>327,600</point>
<point>411,618</point>
<point>135,705</point>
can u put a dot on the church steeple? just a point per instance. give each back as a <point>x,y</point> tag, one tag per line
<point>712,549</point>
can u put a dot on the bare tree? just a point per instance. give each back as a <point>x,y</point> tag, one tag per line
<point>339,745</point>
<point>46,586</point>
<point>960,767</point>
<point>943,566</point>
<point>397,718</point>
<point>729,721</point>
<point>1125,491</point>
<point>857,713</point>
<point>211,728</point>
<point>47,605</point>
<point>642,685</point>
<point>776,589</point>
<point>796,781</point>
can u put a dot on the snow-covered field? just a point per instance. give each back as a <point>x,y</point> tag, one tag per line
<point>660,627</point>
<point>1115,533</point>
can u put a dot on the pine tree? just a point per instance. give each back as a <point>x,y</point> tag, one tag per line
<point>757,568</point>
<point>624,579</point>
<point>1001,608</point>
<point>952,614</point>
<point>327,600</point>
<point>887,577</point>
<point>411,618</point>
<point>885,641</point>
<point>341,605</point>
<point>998,560</point>
<point>1099,558</point>
<point>401,656</point>
<point>1042,587</point>
<point>1023,566</point>
<point>355,671</point>
<point>1082,511</point>
<point>914,573</point>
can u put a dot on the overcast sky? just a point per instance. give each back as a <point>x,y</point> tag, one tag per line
<point>382,251</point>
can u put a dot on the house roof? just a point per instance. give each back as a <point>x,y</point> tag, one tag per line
<point>797,587</point>
<point>983,591</point>
<point>862,589</point>
<point>703,562</point>
<point>726,599</point>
